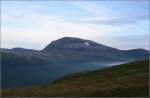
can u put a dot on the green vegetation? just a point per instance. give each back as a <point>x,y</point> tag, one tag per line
<point>123,80</point>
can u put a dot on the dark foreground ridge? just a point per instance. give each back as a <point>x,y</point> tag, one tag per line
<point>127,80</point>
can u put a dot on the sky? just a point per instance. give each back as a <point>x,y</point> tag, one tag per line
<point>34,24</point>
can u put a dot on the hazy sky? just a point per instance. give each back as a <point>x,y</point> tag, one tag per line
<point>34,24</point>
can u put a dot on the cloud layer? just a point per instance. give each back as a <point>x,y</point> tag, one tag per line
<point>108,16</point>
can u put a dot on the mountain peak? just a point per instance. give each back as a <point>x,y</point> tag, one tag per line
<point>66,39</point>
<point>75,43</point>
<point>70,43</point>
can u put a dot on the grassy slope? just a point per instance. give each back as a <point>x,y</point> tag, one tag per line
<point>123,80</point>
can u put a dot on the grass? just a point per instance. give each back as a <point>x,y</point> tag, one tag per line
<point>126,80</point>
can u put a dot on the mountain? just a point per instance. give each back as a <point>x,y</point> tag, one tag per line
<point>26,67</point>
<point>73,43</point>
<point>126,80</point>
<point>93,49</point>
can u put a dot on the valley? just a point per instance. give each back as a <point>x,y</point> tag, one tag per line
<point>126,80</point>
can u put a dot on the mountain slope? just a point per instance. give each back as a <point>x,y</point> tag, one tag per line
<point>127,80</point>
<point>61,57</point>
<point>90,50</point>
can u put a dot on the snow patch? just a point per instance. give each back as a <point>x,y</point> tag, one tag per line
<point>86,43</point>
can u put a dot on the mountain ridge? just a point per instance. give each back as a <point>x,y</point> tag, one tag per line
<point>73,40</point>
<point>60,59</point>
<point>19,48</point>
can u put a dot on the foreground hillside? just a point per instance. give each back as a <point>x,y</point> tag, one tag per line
<point>123,80</point>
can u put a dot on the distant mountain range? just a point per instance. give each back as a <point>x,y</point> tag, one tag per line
<point>25,67</point>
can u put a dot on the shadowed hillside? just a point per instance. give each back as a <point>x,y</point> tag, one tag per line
<point>129,79</point>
